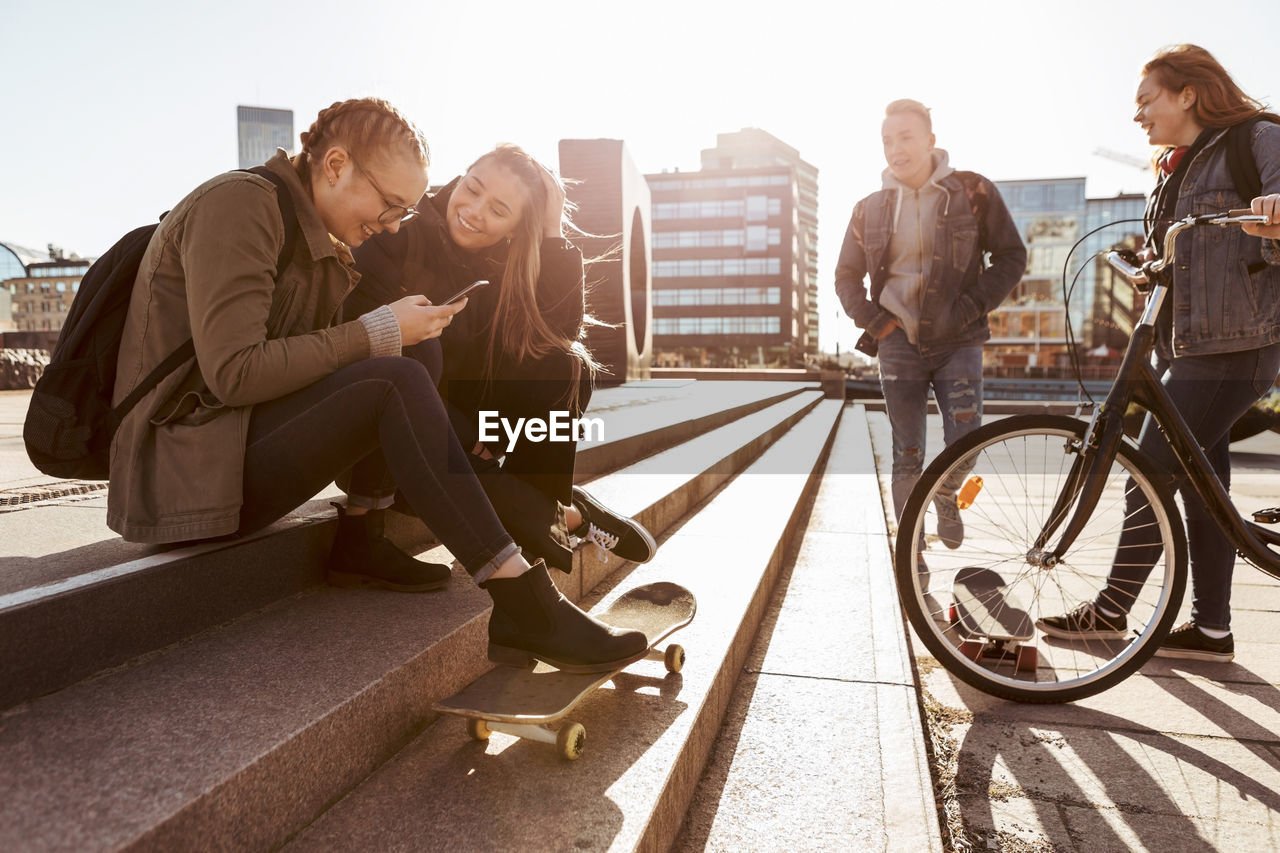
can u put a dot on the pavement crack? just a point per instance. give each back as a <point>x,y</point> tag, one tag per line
<point>833,679</point>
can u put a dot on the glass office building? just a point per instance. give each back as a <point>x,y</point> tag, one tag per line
<point>1052,214</point>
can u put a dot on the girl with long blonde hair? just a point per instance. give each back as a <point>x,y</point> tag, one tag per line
<point>517,350</point>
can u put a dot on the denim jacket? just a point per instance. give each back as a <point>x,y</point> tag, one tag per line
<point>961,289</point>
<point>1226,284</point>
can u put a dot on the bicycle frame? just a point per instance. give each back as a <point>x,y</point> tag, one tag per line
<point>1137,382</point>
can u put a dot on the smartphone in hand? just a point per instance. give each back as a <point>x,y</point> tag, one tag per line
<point>461,293</point>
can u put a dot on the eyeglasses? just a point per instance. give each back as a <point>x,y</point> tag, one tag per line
<point>394,212</point>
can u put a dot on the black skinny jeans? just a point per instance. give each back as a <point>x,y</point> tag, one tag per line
<point>381,417</point>
<point>534,479</point>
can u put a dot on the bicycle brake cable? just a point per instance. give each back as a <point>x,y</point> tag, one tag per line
<point>1082,393</point>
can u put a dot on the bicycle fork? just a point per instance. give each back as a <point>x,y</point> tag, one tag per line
<point>1091,467</point>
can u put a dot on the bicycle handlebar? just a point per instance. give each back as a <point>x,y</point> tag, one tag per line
<point>1142,275</point>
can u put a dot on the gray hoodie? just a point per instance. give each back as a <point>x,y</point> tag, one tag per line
<point>910,254</point>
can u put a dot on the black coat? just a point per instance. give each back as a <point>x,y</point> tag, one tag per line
<point>421,258</point>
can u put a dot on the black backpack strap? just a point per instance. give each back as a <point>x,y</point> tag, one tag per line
<point>1241,162</point>
<point>179,356</point>
<point>287,215</point>
<point>159,372</point>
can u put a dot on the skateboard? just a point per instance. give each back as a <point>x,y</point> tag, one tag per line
<point>992,618</point>
<point>527,703</point>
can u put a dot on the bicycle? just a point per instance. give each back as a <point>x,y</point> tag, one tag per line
<point>1043,503</point>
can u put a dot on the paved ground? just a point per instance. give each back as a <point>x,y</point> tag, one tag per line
<point>1181,756</point>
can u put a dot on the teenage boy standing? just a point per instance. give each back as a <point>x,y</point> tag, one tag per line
<point>923,238</point>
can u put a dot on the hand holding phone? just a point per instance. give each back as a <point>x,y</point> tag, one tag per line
<point>419,320</point>
<point>461,293</point>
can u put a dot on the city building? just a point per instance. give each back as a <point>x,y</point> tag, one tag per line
<point>1117,304</point>
<point>735,273</point>
<point>14,260</point>
<point>260,132</point>
<point>1030,329</point>
<point>41,295</point>
<point>13,264</point>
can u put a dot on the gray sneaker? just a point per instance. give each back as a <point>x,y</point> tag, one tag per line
<point>950,525</point>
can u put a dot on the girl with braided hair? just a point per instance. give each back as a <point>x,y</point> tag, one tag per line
<point>281,396</point>
<point>517,350</point>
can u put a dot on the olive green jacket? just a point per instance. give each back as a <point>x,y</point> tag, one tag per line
<point>177,460</point>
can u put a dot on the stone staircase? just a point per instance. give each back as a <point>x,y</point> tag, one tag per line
<point>221,697</point>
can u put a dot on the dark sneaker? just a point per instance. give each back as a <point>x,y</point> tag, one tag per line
<point>950,526</point>
<point>609,531</point>
<point>1190,643</point>
<point>1086,622</point>
<point>363,557</point>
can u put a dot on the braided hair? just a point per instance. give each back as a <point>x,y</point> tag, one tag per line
<point>366,127</point>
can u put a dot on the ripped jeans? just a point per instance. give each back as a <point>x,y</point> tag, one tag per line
<point>905,377</point>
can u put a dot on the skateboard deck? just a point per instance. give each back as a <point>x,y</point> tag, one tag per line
<point>992,618</point>
<point>527,702</point>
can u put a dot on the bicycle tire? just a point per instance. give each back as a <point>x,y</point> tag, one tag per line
<point>1023,461</point>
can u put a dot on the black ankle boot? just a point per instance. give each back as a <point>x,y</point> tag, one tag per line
<point>363,556</point>
<point>531,619</point>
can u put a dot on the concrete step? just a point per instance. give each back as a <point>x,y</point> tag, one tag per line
<point>644,418</point>
<point>75,599</point>
<point>241,734</point>
<point>827,708</point>
<point>105,612</point>
<point>648,733</point>
<point>660,490</point>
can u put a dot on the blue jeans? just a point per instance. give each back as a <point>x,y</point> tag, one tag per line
<point>1211,392</point>
<point>905,378</point>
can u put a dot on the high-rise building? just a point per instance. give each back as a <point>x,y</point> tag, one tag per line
<point>735,257</point>
<point>260,132</point>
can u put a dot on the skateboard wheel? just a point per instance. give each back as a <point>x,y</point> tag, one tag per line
<point>674,658</point>
<point>478,729</point>
<point>1027,659</point>
<point>971,649</point>
<point>571,740</point>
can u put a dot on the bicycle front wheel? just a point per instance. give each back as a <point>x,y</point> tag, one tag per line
<point>975,588</point>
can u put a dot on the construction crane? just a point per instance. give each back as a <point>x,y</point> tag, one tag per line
<point>1121,157</point>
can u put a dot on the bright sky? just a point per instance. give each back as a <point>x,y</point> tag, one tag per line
<point>115,110</point>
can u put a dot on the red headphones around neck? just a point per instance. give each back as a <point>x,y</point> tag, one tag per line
<point>1170,159</point>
